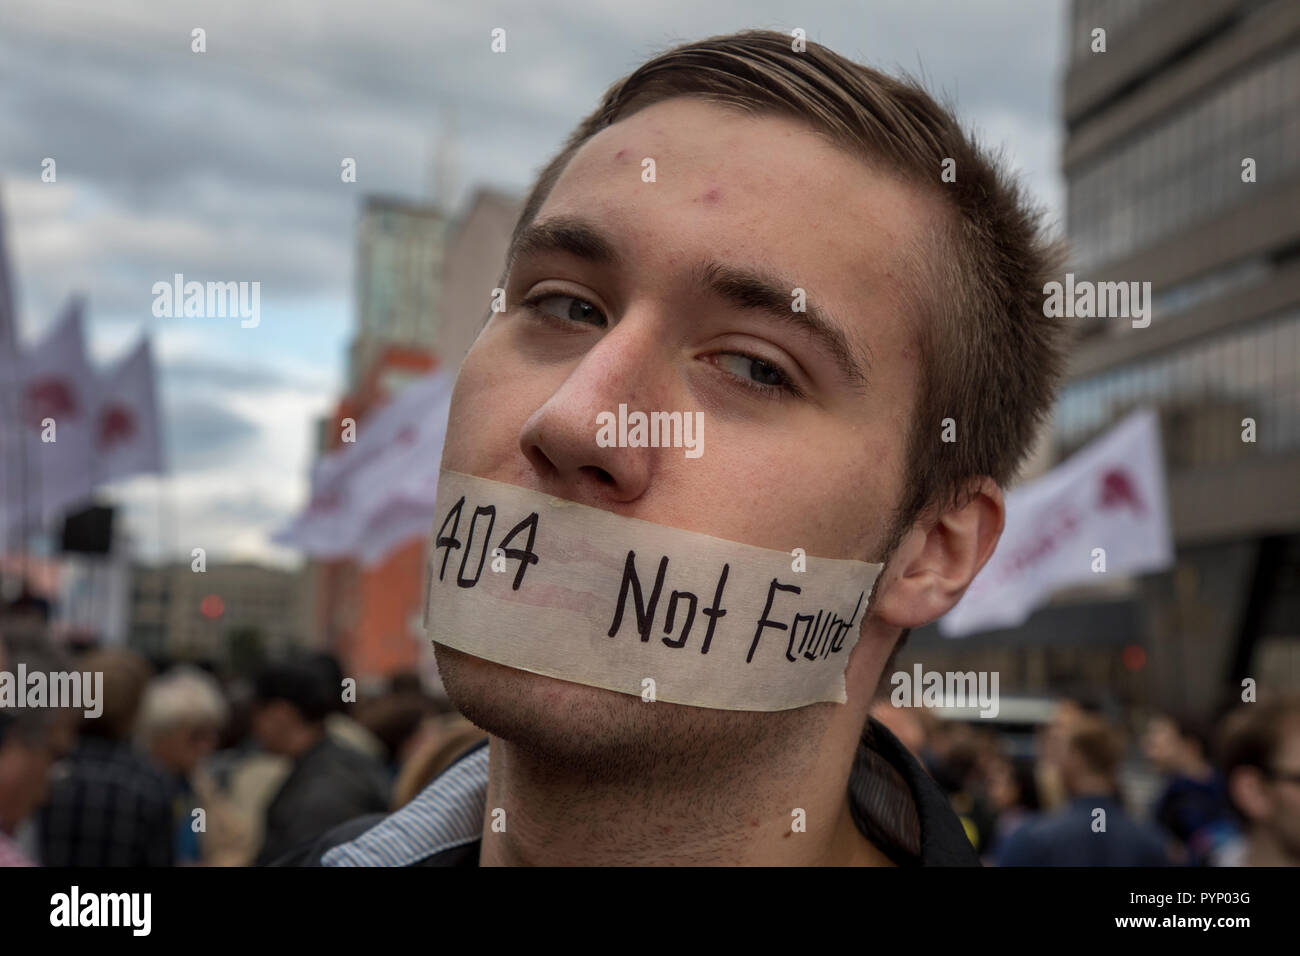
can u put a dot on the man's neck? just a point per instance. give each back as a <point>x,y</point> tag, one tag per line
<point>1197,770</point>
<point>556,817</point>
<point>1091,788</point>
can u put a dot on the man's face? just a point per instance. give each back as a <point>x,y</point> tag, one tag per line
<point>1056,736</point>
<point>25,768</point>
<point>1288,790</point>
<point>182,748</point>
<point>1275,803</point>
<point>271,723</point>
<point>804,422</point>
<point>1161,744</point>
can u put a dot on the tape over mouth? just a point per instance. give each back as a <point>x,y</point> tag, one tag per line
<point>565,590</point>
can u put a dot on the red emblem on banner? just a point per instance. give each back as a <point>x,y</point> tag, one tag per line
<point>1118,490</point>
<point>116,424</point>
<point>50,398</point>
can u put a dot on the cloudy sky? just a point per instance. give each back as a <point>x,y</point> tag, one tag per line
<point>225,166</point>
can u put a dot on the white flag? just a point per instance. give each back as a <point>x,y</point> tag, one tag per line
<point>12,459</point>
<point>364,493</point>
<point>396,524</point>
<point>128,438</point>
<point>8,306</point>
<point>57,403</point>
<point>1102,512</point>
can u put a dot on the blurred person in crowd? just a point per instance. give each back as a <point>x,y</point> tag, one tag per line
<point>1012,787</point>
<point>398,722</point>
<point>1093,828</point>
<point>32,741</point>
<point>330,783</point>
<point>1049,742</point>
<point>681,293</point>
<point>442,739</point>
<point>1193,807</point>
<point>113,806</point>
<point>180,722</point>
<point>956,769</point>
<point>246,776</point>
<point>26,618</point>
<point>1052,740</point>
<point>1261,762</point>
<point>339,724</point>
<point>941,737</point>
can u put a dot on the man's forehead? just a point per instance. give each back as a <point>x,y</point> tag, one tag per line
<point>687,140</point>
<point>763,190</point>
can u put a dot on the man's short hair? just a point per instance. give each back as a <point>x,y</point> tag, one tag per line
<point>989,357</point>
<point>1098,744</point>
<point>31,725</point>
<point>1252,735</point>
<point>1190,727</point>
<point>126,674</point>
<point>183,697</point>
<point>301,684</point>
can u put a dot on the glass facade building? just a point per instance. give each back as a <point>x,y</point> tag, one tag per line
<point>1157,128</point>
<point>1188,166</point>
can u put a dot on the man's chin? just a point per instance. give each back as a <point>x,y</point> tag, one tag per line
<point>598,731</point>
<point>550,718</point>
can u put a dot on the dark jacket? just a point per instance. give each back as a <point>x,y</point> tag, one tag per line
<point>1067,838</point>
<point>894,803</point>
<point>330,784</point>
<point>112,808</point>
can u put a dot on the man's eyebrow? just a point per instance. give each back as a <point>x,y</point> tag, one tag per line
<point>753,289</point>
<point>576,237</point>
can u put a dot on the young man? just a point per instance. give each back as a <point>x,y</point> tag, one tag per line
<point>32,741</point>
<point>1093,828</point>
<point>1261,762</point>
<point>655,265</point>
<point>112,806</point>
<point>1193,808</point>
<point>330,783</point>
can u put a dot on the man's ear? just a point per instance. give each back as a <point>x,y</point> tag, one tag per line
<point>1248,791</point>
<point>939,556</point>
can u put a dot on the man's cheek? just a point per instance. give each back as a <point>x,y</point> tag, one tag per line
<point>469,425</point>
<point>486,415</point>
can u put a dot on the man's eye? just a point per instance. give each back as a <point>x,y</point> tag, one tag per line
<point>754,373</point>
<point>568,307</point>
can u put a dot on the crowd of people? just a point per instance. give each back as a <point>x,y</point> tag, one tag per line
<point>1225,795</point>
<point>182,768</point>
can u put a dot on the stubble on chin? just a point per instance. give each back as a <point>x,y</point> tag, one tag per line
<point>617,738</point>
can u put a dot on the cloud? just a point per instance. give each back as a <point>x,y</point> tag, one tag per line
<point>203,373</point>
<point>201,434</point>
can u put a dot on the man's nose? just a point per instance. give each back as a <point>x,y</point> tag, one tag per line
<point>627,366</point>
